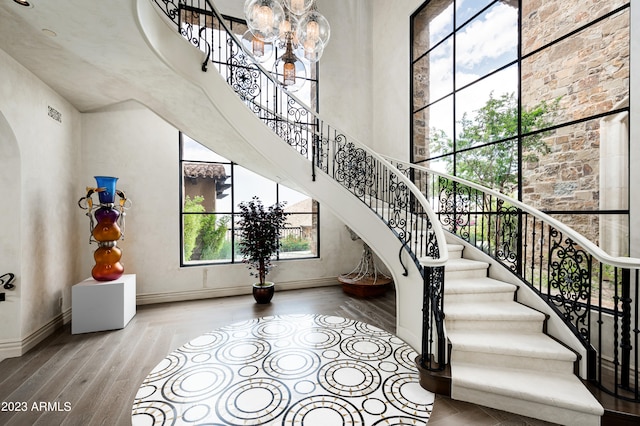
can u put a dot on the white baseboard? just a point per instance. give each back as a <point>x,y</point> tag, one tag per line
<point>211,293</point>
<point>16,348</point>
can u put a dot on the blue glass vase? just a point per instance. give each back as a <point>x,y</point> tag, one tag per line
<point>108,196</point>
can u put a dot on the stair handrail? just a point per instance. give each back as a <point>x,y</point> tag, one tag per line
<point>317,129</point>
<point>597,252</point>
<point>572,260</point>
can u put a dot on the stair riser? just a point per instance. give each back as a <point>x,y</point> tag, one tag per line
<point>464,274</point>
<point>546,412</point>
<point>455,254</point>
<point>513,325</point>
<point>478,297</point>
<point>534,363</point>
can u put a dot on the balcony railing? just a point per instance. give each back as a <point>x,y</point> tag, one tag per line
<point>597,295</point>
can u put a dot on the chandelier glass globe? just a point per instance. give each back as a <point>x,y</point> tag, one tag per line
<point>258,50</point>
<point>264,18</point>
<point>289,70</point>
<point>298,7</point>
<point>288,28</point>
<point>313,34</point>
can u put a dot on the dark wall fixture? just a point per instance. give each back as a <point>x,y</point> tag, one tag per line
<point>6,281</point>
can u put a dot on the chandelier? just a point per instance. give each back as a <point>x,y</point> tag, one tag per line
<point>294,26</point>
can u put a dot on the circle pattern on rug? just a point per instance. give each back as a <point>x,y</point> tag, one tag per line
<point>323,410</point>
<point>346,378</point>
<point>243,352</point>
<point>253,401</point>
<point>293,370</point>
<point>366,347</point>
<point>196,383</point>
<point>206,341</point>
<point>317,338</point>
<point>291,363</point>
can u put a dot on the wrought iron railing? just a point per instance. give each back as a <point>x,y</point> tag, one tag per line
<point>597,295</point>
<point>364,173</point>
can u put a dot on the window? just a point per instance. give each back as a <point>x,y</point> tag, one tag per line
<point>212,188</point>
<point>538,111</point>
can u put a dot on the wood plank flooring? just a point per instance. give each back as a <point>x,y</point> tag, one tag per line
<point>91,379</point>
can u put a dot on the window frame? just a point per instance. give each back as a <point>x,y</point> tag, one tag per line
<point>234,215</point>
<point>416,54</point>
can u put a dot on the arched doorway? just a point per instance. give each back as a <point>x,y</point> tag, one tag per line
<point>10,243</point>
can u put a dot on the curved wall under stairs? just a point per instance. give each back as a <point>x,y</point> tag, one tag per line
<point>274,158</point>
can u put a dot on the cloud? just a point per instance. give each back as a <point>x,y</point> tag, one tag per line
<point>488,37</point>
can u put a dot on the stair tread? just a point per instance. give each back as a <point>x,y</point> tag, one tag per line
<point>532,345</point>
<point>477,285</point>
<point>490,311</point>
<point>561,390</point>
<point>463,264</point>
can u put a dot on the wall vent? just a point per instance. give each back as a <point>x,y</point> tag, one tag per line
<point>55,114</point>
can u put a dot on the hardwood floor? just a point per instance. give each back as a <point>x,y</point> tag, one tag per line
<point>91,379</point>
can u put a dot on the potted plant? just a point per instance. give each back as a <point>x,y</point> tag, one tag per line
<point>259,241</point>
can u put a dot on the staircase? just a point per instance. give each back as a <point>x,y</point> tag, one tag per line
<point>501,357</point>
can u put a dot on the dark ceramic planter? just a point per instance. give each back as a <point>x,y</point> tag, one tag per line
<point>263,293</point>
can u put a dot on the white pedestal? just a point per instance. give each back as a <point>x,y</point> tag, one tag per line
<point>103,305</point>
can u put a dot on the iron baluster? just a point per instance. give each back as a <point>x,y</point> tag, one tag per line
<point>625,326</point>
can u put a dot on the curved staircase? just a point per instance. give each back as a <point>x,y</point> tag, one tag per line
<point>501,357</point>
<point>499,353</point>
<point>359,186</point>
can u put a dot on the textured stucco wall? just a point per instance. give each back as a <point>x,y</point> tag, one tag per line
<point>42,238</point>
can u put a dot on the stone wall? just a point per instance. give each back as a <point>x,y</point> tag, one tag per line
<point>589,74</point>
<point>422,36</point>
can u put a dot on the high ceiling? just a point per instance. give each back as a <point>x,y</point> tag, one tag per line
<point>76,47</point>
<point>91,52</point>
<point>94,54</point>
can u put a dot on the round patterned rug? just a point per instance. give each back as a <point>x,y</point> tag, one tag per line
<point>290,370</point>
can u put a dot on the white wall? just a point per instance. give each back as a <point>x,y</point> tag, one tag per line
<point>346,68</point>
<point>391,107</point>
<point>151,248</point>
<point>345,74</point>
<point>44,240</point>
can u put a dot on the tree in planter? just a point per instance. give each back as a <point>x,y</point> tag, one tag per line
<point>260,235</point>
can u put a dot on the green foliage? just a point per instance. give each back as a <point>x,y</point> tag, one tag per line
<point>202,231</point>
<point>294,243</point>
<point>495,165</point>
<point>192,223</point>
<point>260,235</point>
<point>212,235</point>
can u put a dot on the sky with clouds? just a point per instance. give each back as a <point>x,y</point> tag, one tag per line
<point>482,46</point>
